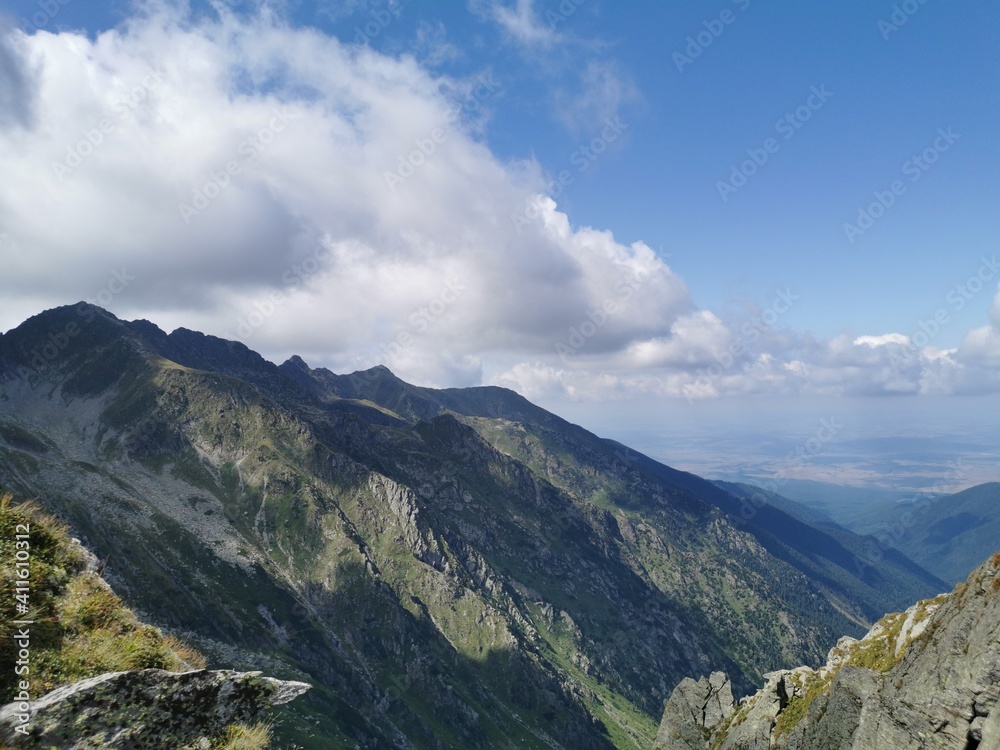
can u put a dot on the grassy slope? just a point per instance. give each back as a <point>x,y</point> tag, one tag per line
<point>80,627</point>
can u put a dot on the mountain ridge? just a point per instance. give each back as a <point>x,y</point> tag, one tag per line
<point>399,547</point>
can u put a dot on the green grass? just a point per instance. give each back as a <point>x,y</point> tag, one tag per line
<point>798,706</point>
<point>81,627</point>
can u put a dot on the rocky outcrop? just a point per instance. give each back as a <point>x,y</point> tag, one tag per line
<point>150,708</point>
<point>693,710</point>
<point>925,678</point>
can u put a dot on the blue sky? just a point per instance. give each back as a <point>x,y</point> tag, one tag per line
<point>702,160</point>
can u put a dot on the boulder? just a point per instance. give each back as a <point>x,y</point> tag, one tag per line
<point>692,710</point>
<point>149,708</point>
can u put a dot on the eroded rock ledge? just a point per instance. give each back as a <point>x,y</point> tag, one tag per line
<point>150,708</point>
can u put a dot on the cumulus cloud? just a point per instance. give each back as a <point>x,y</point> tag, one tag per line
<point>251,176</point>
<point>275,185</point>
<point>979,352</point>
<point>703,357</point>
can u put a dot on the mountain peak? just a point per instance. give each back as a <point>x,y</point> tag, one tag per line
<point>380,370</point>
<point>82,344</point>
<point>297,362</point>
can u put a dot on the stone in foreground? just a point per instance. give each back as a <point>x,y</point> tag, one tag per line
<point>151,708</point>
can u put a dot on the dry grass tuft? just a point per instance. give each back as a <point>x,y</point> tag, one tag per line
<point>82,629</point>
<point>246,737</point>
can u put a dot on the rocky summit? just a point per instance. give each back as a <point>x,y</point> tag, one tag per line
<point>928,677</point>
<point>451,568</point>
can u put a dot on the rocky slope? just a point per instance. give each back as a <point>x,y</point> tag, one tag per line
<point>453,568</point>
<point>928,677</point>
<point>853,573</point>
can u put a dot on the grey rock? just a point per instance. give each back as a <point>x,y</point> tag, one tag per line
<point>150,708</point>
<point>937,686</point>
<point>990,731</point>
<point>692,710</point>
<point>761,711</point>
<point>841,712</point>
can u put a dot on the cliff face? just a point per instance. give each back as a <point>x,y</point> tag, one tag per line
<point>928,677</point>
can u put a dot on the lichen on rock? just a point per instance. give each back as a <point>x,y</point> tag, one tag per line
<point>149,708</point>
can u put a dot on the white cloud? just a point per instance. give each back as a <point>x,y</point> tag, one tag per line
<point>601,93</point>
<point>519,20</point>
<point>214,159</point>
<point>697,339</point>
<point>976,361</point>
<point>883,340</point>
<point>358,221</point>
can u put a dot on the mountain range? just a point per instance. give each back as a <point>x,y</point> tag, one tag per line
<point>948,534</point>
<point>449,568</point>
